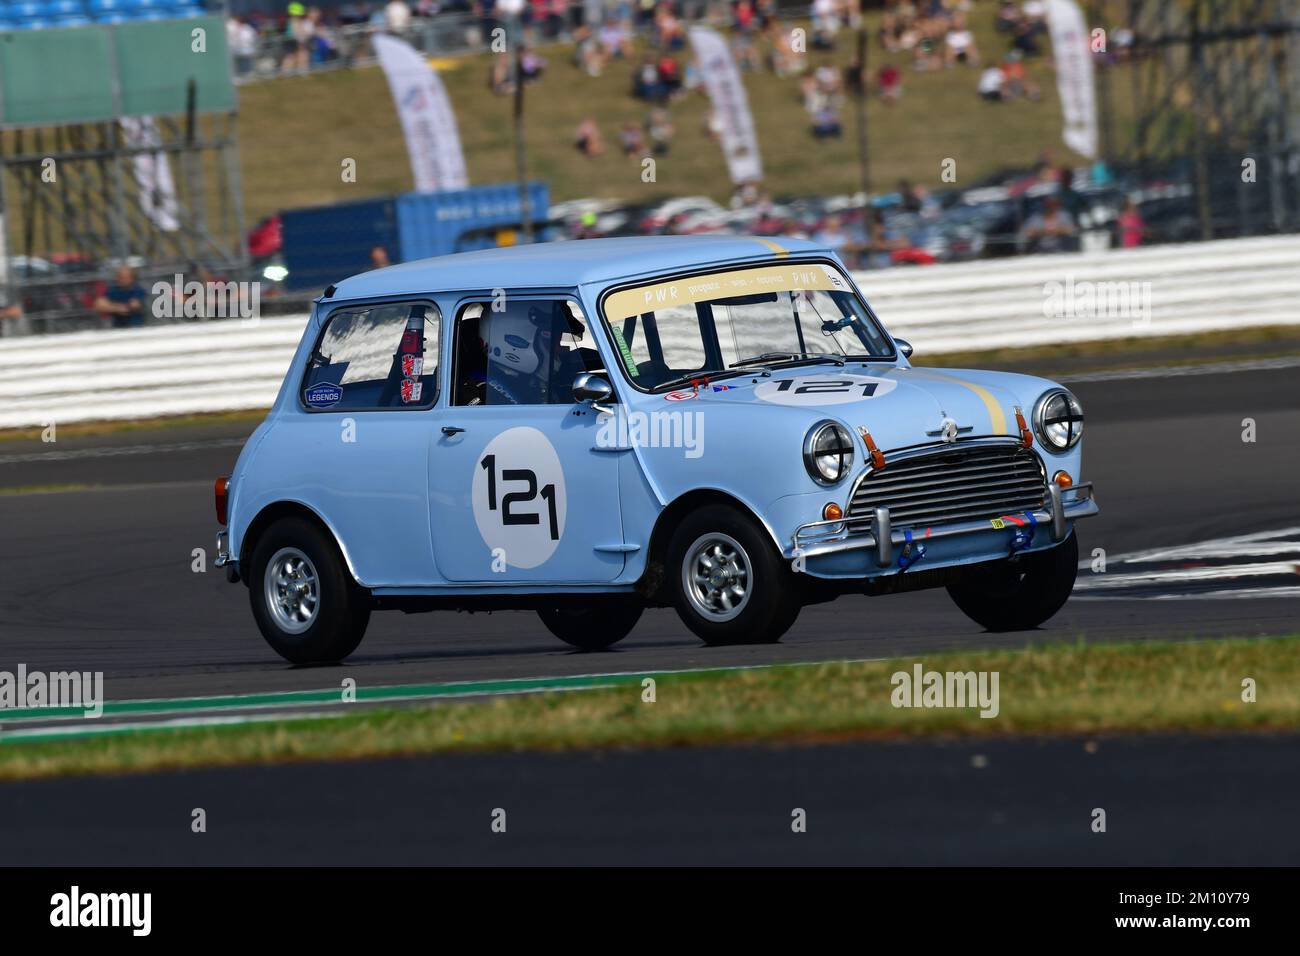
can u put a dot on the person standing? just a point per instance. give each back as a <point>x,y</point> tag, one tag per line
<point>123,301</point>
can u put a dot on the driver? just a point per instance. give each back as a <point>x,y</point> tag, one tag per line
<point>519,347</point>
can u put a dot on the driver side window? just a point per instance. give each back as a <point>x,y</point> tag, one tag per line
<point>525,353</point>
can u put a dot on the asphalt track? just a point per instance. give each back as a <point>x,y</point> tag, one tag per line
<point>1167,801</point>
<point>100,579</point>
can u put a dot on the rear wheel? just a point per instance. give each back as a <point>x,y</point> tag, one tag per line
<point>591,628</point>
<point>1022,594</point>
<point>304,599</point>
<point>728,582</point>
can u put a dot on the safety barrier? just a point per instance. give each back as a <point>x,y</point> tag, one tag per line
<point>990,304</point>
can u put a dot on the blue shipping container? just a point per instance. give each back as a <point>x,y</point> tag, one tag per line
<point>461,220</point>
<point>325,244</point>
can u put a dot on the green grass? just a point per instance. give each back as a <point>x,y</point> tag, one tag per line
<point>1058,690</point>
<point>295,132</point>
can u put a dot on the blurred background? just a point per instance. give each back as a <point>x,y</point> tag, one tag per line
<point>260,143</point>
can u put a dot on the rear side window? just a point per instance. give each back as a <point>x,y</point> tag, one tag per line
<point>381,357</point>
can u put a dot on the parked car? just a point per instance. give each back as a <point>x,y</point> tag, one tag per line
<point>718,424</point>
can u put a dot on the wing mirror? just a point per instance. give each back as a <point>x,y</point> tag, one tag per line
<point>904,346</point>
<point>593,388</point>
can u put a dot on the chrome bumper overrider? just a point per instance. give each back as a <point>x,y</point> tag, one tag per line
<point>223,550</point>
<point>829,537</point>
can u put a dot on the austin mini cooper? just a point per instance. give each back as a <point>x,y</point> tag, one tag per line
<point>586,429</point>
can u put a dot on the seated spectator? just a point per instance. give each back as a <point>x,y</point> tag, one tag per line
<point>122,303</point>
<point>959,44</point>
<point>1051,230</point>
<point>646,84</point>
<point>825,24</point>
<point>670,75</point>
<point>669,32</point>
<point>631,139</point>
<point>616,39</point>
<point>659,127</point>
<point>990,84</point>
<point>531,66</point>
<point>587,139</point>
<point>587,53</point>
<point>889,80</point>
<point>1016,82</point>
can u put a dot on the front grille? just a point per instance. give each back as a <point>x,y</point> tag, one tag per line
<point>955,484</point>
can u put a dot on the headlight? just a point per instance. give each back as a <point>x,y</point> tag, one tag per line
<point>828,452</point>
<point>1058,420</point>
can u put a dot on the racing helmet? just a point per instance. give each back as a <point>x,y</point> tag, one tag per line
<point>514,339</point>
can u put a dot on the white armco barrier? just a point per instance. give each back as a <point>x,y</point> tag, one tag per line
<point>990,304</point>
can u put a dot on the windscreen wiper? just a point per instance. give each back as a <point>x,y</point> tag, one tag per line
<point>787,359</point>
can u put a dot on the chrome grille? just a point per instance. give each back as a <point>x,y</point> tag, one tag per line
<point>951,485</point>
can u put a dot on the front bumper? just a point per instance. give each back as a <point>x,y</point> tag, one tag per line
<point>816,538</point>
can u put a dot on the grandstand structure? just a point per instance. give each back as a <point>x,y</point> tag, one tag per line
<point>45,14</point>
<point>117,146</point>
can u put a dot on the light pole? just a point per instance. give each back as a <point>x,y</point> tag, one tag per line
<point>514,10</point>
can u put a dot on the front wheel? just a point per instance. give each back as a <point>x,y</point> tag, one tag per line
<point>1019,595</point>
<point>591,628</point>
<point>304,600</point>
<point>727,580</point>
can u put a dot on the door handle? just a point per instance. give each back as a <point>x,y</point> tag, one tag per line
<point>451,430</point>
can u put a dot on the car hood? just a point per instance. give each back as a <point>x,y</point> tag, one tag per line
<point>899,406</point>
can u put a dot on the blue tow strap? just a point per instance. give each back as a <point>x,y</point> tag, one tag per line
<point>1023,537</point>
<point>905,558</point>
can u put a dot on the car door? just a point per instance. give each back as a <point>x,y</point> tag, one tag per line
<point>354,447</point>
<point>521,488</point>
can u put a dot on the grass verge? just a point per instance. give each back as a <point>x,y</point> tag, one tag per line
<point>1056,690</point>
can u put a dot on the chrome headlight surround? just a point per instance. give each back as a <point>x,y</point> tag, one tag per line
<point>1058,420</point>
<point>828,452</point>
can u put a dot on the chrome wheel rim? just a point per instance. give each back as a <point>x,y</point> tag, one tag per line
<point>292,590</point>
<point>717,576</point>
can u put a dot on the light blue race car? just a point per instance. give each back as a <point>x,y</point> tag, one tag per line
<point>587,429</point>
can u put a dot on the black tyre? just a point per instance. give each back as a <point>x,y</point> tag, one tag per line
<point>304,599</point>
<point>592,628</point>
<point>727,580</point>
<point>1019,595</point>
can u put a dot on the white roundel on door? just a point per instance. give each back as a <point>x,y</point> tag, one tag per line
<point>519,497</point>
<point>826,389</point>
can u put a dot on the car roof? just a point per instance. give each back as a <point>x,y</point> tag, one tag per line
<point>565,264</point>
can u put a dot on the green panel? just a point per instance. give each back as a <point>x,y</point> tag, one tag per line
<point>56,76</point>
<point>156,60</point>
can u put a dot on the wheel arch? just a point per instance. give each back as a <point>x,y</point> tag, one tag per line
<point>668,518</point>
<point>272,513</point>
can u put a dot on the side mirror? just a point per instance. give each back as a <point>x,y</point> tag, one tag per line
<point>904,346</point>
<point>593,388</point>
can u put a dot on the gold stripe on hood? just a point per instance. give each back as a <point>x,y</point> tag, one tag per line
<point>997,417</point>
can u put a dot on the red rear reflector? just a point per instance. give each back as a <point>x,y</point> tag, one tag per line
<point>222,493</point>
